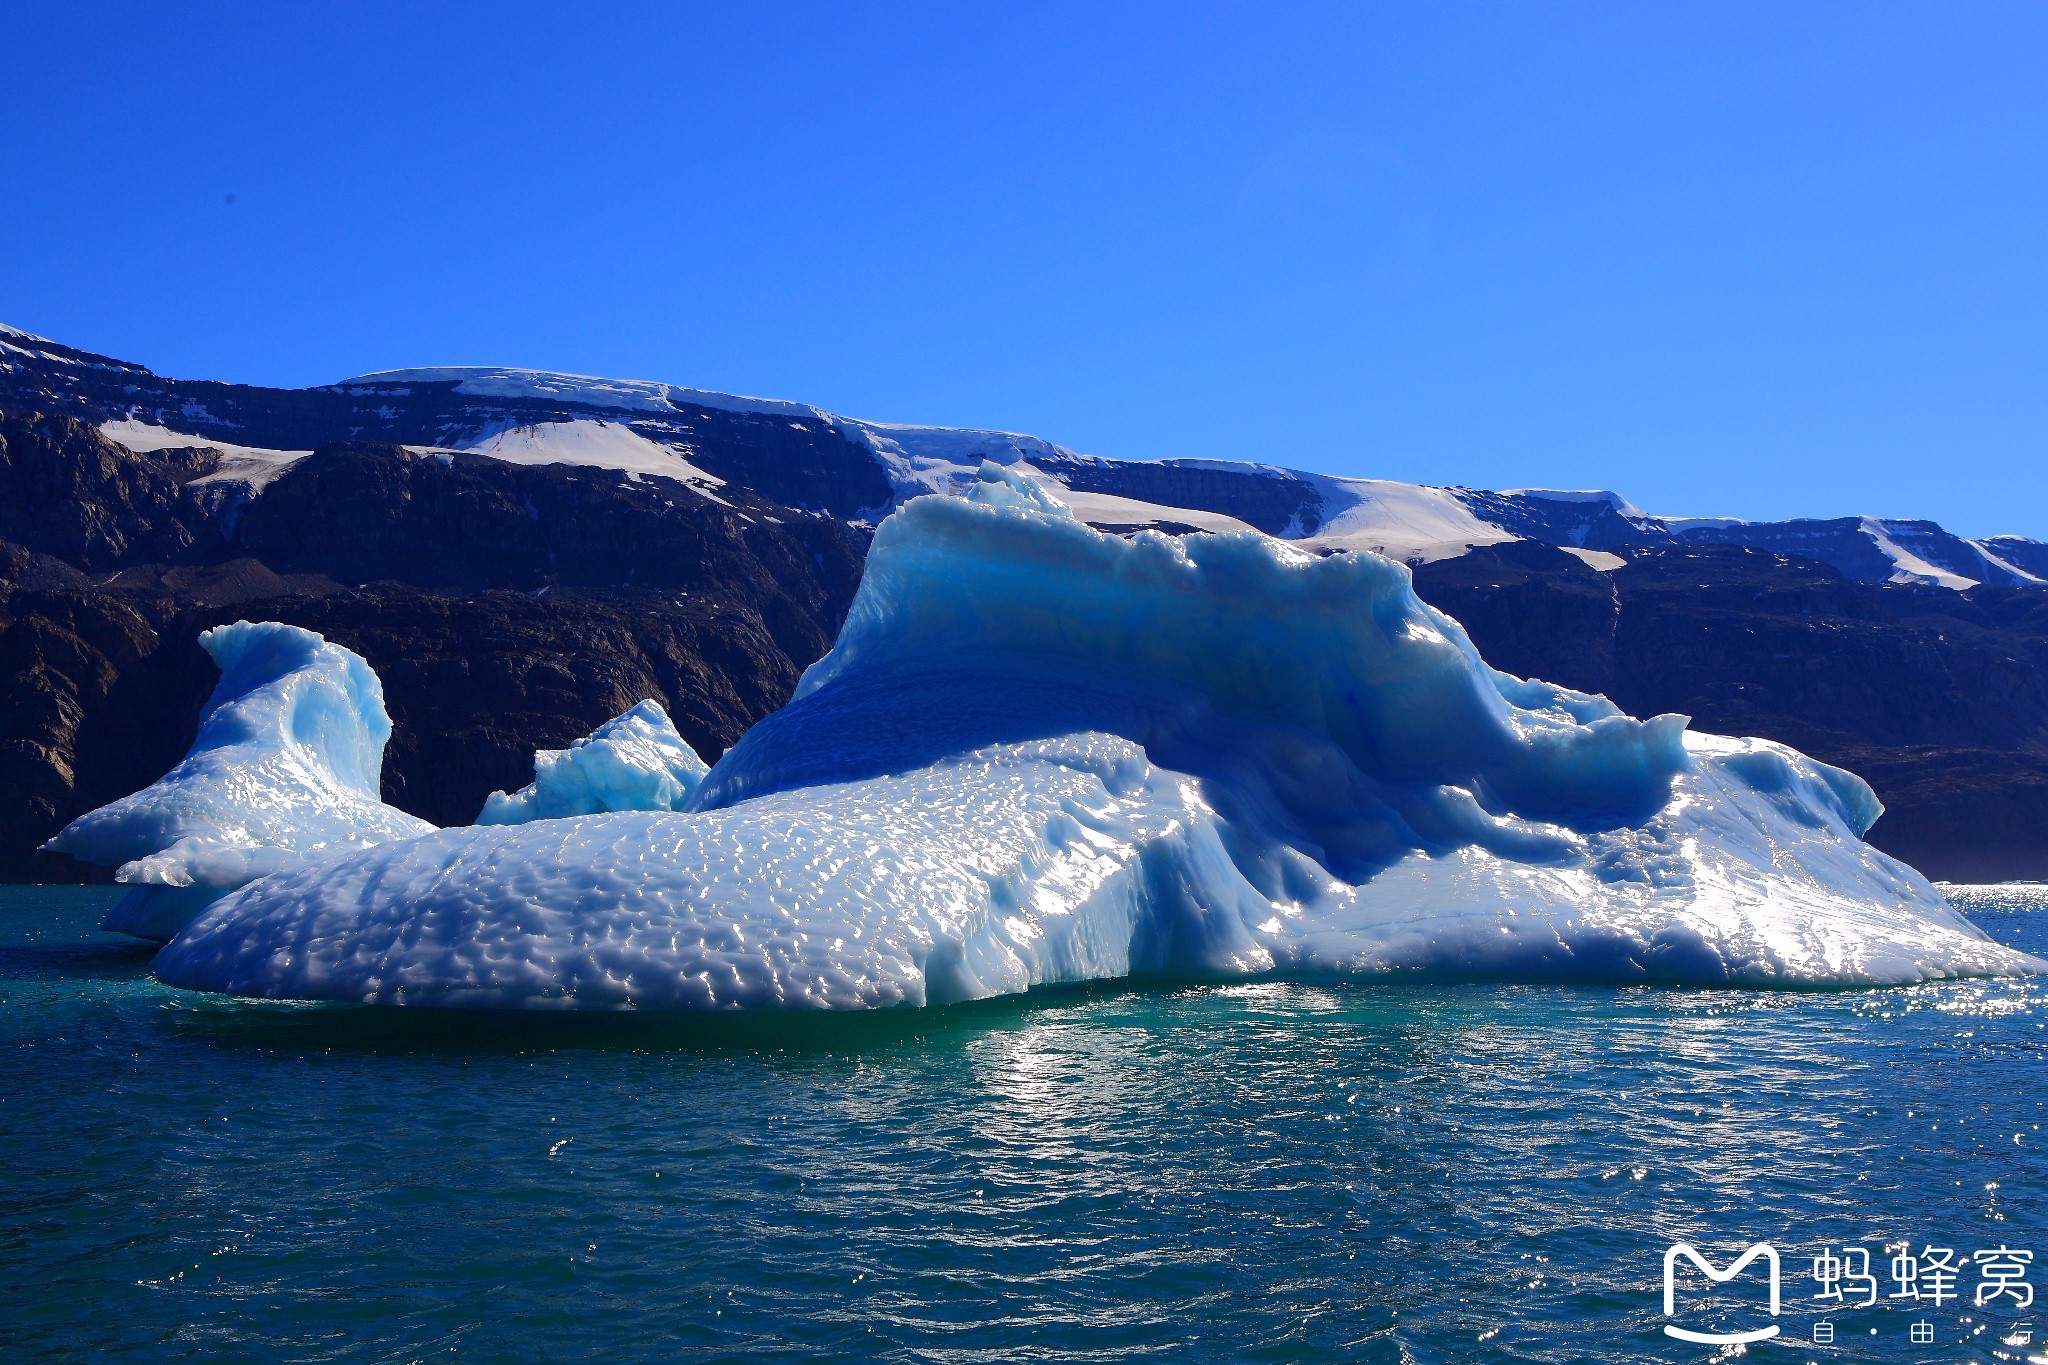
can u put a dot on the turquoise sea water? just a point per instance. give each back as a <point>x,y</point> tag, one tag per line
<point>1374,1172</point>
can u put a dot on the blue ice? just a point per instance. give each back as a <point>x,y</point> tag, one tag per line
<point>1043,754</point>
<point>285,768</point>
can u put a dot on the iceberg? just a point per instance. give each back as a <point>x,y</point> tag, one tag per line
<point>1042,754</point>
<point>285,768</point>
<point>634,761</point>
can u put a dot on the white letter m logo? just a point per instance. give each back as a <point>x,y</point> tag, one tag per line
<point>1764,1250</point>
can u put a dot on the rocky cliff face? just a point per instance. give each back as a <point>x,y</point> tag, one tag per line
<point>67,491</point>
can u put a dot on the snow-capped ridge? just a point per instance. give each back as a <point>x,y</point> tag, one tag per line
<point>1414,522</point>
<point>622,395</point>
<point>33,349</point>
<point>1600,495</point>
<point>491,381</point>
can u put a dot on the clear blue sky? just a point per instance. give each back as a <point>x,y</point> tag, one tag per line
<point>1761,260</point>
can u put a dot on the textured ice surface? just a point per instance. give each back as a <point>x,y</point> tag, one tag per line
<point>285,766</point>
<point>1042,754</point>
<point>635,761</point>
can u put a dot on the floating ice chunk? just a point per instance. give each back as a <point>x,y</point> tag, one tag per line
<point>1042,754</point>
<point>286,765</point>
<point>635,761</point>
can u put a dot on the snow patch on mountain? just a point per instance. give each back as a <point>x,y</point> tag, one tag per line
<point>251,468</point>
<point>593,443</point>
<point>1911,567</point>
<point>2020,555</point>
<point>1404,521</point>
<point>1106,509</point>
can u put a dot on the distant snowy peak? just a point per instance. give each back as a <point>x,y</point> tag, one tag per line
<point>485,381</point>
<point>548,386</point>
<point>1603,496</point>
<point>1870,549</point>
<point>2021,554</point>
<point>17,346</point>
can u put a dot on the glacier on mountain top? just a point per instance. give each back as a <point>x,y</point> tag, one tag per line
<point>1041,754</point>
<point>634,761</point>
<point>285,769</point>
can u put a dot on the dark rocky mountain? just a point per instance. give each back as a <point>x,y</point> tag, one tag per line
<point>522,555</point>
<point>71,493</point>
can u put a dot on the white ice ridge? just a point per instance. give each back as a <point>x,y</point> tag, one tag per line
<point>634,761</point>
<point>285,768</point>
<point>1041,754</point>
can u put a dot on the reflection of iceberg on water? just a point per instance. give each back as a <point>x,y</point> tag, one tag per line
<point>285,768</point>
<point>1042,754</point>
